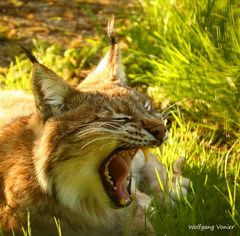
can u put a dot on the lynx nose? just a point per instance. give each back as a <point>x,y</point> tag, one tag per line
<point>156,128</point>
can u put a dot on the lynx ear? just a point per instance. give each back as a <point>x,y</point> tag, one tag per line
<point>110,68</point>
<point>51,92</point>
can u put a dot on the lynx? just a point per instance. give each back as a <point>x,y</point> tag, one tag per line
<point>77,154</point>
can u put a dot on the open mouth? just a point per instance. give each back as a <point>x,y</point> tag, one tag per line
<point>116,175</point>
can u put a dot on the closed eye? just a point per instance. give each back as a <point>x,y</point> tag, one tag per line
<point>148,105</point>
<point>122,118</point>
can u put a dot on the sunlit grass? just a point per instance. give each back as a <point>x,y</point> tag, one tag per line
<point>58,225</point>
<point>213,196</point>
<point>67,63</point>
<point>27,231</point>
<point>185,52</point>
<point>189,50</point>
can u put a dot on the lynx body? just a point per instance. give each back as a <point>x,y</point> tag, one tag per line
<point>71,153</point>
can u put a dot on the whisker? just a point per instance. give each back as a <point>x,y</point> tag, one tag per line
<point>112,126</point>
<point>94,140</point>
<point>85,132</point>
<point>101,123</point>
<point>95,125</point>
<point>113,122</point>
<point>169,107</point>
<point>164,116</point>
<point>118,146</point>
<point>167,114</point>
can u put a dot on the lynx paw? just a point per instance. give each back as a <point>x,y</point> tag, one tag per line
<point>153,178</point>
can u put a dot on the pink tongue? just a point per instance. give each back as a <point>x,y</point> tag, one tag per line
<point>121,182</point>
<point>121,189</point>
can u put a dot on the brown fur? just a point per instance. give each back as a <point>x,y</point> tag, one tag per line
<point>50,159</point>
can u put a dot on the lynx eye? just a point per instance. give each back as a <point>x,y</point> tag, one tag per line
<point>122,118</point>
<point>148,105</point>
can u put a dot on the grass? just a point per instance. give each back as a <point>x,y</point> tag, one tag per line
<point>213,197</point>
<point>66,63</point>
<point>184,53</point>
<point>189,51</point>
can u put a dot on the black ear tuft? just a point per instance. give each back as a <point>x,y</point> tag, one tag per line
<point>111,31</point>
<point>32,58</point>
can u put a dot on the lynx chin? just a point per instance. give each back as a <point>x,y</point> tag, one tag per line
<point>77,154</point>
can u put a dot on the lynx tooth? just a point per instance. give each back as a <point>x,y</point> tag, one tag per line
<point>146,152</point>
<point>123,201</point>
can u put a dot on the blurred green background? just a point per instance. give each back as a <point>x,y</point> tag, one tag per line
<point>185,54</point>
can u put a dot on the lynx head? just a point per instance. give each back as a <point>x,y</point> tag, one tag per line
<point>90,135</point>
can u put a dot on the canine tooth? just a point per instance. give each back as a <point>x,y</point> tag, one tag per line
<point>146,152</point>
<point>123,201</point>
